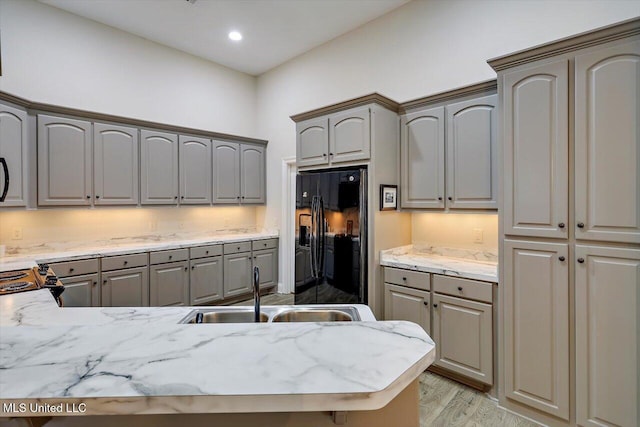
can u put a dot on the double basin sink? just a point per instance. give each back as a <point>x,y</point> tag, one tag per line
<point>272,314</point>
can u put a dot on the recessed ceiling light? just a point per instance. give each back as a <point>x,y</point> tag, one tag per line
<point>235,36</point>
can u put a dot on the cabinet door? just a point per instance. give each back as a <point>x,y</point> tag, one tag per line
<point>607,331</point>
<point>238,277</point>
<point>13,148</point>
<point>195,170</point>
<point>64,161</point>
<point>422,159</point>
<point>169,284</point>
<point>159,167</point>
<point>535,304</point>
<point>81,291</point>
<point>312,142</point>
<point>350,135</point>
<point>463,333</point>
<point>607,146</point>
<point>412,305</point>
<point>125,288</point>
<point>206,280</point>
<point>536,163</point>
<point>226,172</point>
<point>472,169</point>
<point>267,261</point>
<point>116,177</point>
<point>253,165</point>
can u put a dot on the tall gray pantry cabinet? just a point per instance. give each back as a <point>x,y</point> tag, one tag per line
<point>570,223</point>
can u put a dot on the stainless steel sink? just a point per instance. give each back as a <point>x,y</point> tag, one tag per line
<point>273,314</point>
<point>211,316</point>
<point>313,315</point>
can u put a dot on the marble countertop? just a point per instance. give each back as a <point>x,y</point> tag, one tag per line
<point>28,256</point>
<point>155,365</point>
<point>477,265</point>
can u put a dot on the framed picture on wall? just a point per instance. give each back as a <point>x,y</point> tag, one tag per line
<point>388,197</point>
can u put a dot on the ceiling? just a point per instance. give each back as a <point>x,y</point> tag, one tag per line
<point>274,31</point>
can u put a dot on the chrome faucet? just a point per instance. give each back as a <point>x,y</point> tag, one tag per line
<point>256,294</point>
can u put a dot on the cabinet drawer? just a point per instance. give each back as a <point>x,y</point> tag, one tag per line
<point>75,268</point>
<point>234,248</point>
<point>463,288</point>
<point>205,251</point>
<point>124,261</point>
<point>161,257</point>
<point>264,244</point>
<point>410,278</point>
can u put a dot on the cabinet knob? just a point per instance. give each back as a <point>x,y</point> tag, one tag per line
<point>581,260</point>
<point>104,281</point>
<point>404,279</point>
<point>561,225</point>
<point>182,197</point>
<point>561,258</point>
<point>331,154</point>
<point>206,252</point>
<point>243,197</point>
<point>425,302</point>
<point>460,288</point>
<point>238,247</point>
<point>193,267</point>
<point>439,198</point>
<point>71,270</point>
<point>238,197</point>
<point>435,305</point>
<point>97,197</point>
<point>265,245</point>
<point>175,198</point>
<point>95,282</point>
<point>88,197</point>
<point>170,256</point>
<point>126,262</point>
<point>185,269</point>
<point>324,154</point>
<point>581,225</point>
<point>449,198</point>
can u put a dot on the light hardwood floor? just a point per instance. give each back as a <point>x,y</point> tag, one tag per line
<point>443,402</point>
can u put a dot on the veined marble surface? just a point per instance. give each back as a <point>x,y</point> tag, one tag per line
<point>140,361</point>
<point>476,265</point>
<point>27,256</point>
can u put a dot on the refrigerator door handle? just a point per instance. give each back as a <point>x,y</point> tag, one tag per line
<point>321,243</point>
<point>6,179</point>
<point>313,238</point>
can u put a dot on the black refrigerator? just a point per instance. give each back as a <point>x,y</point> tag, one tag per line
<point>331,234</point>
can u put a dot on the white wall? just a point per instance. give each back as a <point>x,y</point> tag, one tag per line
<point>52,56</point>
<point>422,48</point>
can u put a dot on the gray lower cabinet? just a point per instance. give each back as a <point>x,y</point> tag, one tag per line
<point>13,148</point>
<point>253,174</point>
<point>158,168</point>
<point>404,303</point>
<point>125,288</point>
<point>238,277</point>
<point>64,161</point>
<point>169,284</point>
<point>463,333</point>
<point>206,280</point>
<point>195,170</point>
<point>81,291</point>
<point>116,176</point>
<point>607,326</point>
<point>267,262</point>
<point>535,326</point>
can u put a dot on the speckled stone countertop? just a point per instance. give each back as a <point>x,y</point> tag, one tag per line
<point>469,264</point>
<point>142,361</point>
<point>28,256</point>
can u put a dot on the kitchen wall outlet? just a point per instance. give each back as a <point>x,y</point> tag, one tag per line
<point>477,235</point>
<point>16,233</point>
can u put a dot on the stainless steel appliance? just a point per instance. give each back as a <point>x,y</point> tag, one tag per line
<point>12,282</point>
<point>331,263</point>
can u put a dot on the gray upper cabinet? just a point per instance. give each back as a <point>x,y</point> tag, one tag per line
<point>13,148</point>
<point>64,161</point>
<point>312,142</point>
<point>422,159</point>
<point>195,170</point>
<point>472,169</point>
<point>159,168</point>
<point>226,172</point>
<point>607,153</point>
<point>349,135</point>
<point>536,135</point>
<point>239,173</point>
<point>115,166</point>
<point>253,176</point>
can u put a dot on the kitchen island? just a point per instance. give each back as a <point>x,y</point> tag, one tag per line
<point>142,361</point>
